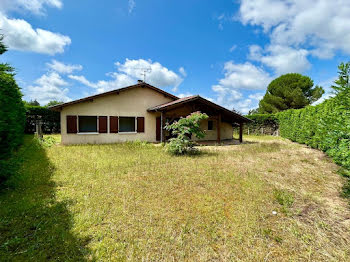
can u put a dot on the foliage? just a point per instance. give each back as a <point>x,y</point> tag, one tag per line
<point>12,117</point>
<point>54,103</point>
<point>325,126</point>
<point>183,131</point>
<point>342,83</point>
<point>266,122</point>
<point>48,141</point>
<point>289,91</point>
<point>32,103</point>
<point>3,47</point>
<point>50,120</point>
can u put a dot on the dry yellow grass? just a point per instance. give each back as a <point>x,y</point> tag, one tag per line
<point>134,202</point>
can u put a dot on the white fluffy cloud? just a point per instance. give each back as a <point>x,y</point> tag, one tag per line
<point>63,68</point>
<point>49,87</point>
<point>321,26</point>
<point>130,71</point>
<point>240,77</point>
<point>33,6</point>
<point>282,59</point>
<point>244,76</point>
<point>118,81</point>
<point>20,35</point>
<point>157,74</point>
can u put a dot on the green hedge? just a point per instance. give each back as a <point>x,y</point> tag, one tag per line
<point>262,124</point>
<point>50,119</point>
<point>325,127</point>
<point>12,117</point>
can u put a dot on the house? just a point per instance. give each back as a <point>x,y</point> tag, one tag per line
<point>139,112</point>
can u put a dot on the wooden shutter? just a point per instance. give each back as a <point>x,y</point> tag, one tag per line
<point>113,124</point>
<point>102,124</point>
<point>72,125</point>
<point>140,125</point>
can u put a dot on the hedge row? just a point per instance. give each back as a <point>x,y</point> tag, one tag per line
<point>266,124</point>
<point>50,120</point>
<point>12,117</point>
<point>325,127</point>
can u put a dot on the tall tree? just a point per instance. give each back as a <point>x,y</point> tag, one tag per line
<point>33,103</point>
<point>343,81</point>
<point>289,91</point>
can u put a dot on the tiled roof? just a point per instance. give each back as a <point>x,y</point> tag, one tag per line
<point>116,91</point>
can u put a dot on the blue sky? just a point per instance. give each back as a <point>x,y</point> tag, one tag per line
<point>226,51</point>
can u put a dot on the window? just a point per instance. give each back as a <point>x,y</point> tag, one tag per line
<point>210,125</point>
<point>127,124</point>
<point>87,124</point>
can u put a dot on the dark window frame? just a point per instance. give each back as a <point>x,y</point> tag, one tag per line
<point>127,132</point>
<point>210,128</point>
<point>87,132</point>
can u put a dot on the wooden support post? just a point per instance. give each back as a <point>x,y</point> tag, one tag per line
<point>218,129</point>
<point>241,132</point>
<point>162,124</point>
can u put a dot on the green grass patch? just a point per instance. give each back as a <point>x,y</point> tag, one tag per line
<point>135,202</point>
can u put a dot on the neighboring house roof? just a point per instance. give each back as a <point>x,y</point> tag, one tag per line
<point>116,91</point>
<point>174,104</point>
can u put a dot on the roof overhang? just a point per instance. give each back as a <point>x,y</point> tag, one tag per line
<point>228,115</point>
<point>116,91</point>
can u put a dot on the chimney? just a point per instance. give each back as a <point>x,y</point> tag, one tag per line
<point>139,81</point>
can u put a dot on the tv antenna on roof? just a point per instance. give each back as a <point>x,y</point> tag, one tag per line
<point>145,71</point>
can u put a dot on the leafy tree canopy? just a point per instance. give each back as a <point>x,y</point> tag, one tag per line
<point>289,91</point>
<point>54,102</point>
<point>32,103</point>
<point>342,83</point>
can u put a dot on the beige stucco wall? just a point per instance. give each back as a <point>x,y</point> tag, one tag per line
<point>133,102</point>
<point>226,130</point>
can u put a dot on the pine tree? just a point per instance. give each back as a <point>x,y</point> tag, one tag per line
<point>289,91</point>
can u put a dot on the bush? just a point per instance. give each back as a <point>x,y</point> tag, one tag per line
<point>50,120</point>
<point>325,127</point>
<point>12,117</point>
<point>262,124</point>
<point>183,131</point>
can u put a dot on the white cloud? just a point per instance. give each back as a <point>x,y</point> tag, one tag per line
<point>182,95</point>
<point>63,68</point>
<point>48,87</point>
<point>131,6</point>
<point>157,74</point>
<point>320,26</point>
<point>20,35</point>
<point>244,76</point>
<point>118,81</point>
<point>233,48</point>
<point>33,6</point>
<point>256,96</point>
<point>129,72</point>
<point>182,71</point>
<point>282,59</point>
<point>240,77</point>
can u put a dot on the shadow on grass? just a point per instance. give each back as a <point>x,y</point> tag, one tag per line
<point>34,226</point>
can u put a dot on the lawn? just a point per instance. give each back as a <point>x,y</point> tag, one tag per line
<point>265,200</point>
